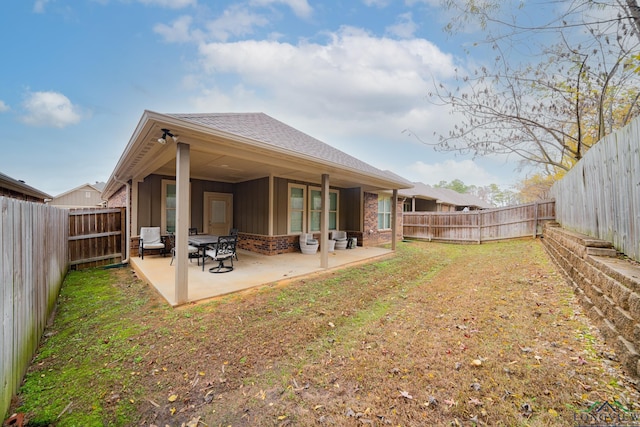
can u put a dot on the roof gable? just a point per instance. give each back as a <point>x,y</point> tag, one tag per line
<point>265,129</point>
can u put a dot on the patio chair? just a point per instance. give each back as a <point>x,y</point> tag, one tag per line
<point>308,245</point>
<point>224,249</point>
<point>341,239</point>
<point>234,232</point>
<point>150,239</point>
<point>192,251</point>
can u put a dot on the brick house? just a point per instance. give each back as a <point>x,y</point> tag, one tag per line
<point>17,189</point>
<point>254,173</point>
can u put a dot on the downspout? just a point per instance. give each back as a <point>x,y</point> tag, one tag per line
<point>127,219</point>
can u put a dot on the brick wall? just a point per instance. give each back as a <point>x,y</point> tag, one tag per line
<point>607,287</point>
<point>371,236</point>
<point>118,199</point>
<point>268,245</point>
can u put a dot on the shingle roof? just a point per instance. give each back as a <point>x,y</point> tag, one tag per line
<point>265,129</point>
<point>19,186</point>
<point>445,195</point>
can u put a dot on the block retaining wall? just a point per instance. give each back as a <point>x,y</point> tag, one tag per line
<point>607,287</point>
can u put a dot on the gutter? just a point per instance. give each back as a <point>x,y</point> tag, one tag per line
<point>127,220</point>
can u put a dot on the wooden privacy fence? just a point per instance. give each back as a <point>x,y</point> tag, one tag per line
<point>34,245</point>
<point>600,195</point>
<point>96,237</point>
<point>479,226</point>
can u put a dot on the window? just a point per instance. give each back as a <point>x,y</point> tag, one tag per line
<point>384,212</point>
<point>315,209</point>
<point>296,208</point>
<point>168,217</point>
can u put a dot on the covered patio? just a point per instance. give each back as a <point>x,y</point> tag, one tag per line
<point>251,270</point>
<point>251,173</point>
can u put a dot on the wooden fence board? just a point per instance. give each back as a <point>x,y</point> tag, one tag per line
<point>479,226</point>
<point>600,195</point>
<point>33,241</point>
<point>96,237</point>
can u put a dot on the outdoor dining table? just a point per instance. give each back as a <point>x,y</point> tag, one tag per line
<point>202,241</point>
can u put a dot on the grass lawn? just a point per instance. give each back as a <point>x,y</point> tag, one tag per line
<point>438,335</point>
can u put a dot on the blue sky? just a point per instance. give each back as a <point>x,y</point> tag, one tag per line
<point>77,75</point>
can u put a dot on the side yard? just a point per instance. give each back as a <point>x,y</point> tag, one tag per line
<point>439,335</point>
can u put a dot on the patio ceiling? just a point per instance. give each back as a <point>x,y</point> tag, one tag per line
<point>222,156</point>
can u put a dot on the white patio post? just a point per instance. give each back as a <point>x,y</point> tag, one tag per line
<point>324,223</point>
<point>182,222</point>
<point>394,220</point>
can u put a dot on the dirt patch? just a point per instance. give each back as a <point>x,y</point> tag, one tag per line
<point>438,335</point>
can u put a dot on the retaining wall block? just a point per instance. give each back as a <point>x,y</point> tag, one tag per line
<point>629,357</point>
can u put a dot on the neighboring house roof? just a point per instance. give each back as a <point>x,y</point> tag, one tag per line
<point>98,186</point>
<point>239,147</point>
<point>444,195</point>
<point>20,187</point>
<point>85,195</point>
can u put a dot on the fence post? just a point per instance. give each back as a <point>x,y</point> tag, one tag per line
<point>535,220</point>
<point>479,226</point>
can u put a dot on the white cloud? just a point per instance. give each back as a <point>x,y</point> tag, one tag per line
<point>376,3</point>
<point>171,4</point>
<point>404,28</point>
<point>38,6</point>
<point>179,30</point>
<point>237,20</point>
<point>300,7</point>
<point>466,171</point>
<point>354,73</point>
<point>3,107</point>
<point>50,109</point>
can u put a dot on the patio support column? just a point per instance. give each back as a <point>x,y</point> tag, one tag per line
<point>324,223</point>
<point>134,207</point>
<point>394,220</point>
<point>182,222</point>
<point>271,203</point>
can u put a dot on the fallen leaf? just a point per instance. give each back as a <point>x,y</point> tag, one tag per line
<point>450,402</point>
<point>553,412</point>
<point>173,398</point>
<point>476,362</point>
<point>432,401</point>
<point>406,395</point>
<point>476,402</point>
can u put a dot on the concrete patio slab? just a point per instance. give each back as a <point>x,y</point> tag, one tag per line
<point>250,270</point>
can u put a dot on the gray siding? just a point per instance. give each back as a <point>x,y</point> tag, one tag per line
<point>251,206</point>
<point>281,206</point>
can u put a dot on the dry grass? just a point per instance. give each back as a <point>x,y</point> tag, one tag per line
<point>439,335</point>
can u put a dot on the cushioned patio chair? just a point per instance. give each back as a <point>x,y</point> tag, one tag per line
<point>308,245</point>
<point>224,250</point>
<point>191,250</point>
<point>341,239</point>
<point>150,239</point>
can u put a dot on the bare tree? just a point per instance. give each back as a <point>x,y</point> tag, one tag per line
<point>550,110</point>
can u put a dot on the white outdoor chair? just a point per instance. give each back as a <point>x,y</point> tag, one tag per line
<point>150,239</point>
<point>341,239</point>
<point>308,245</point>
